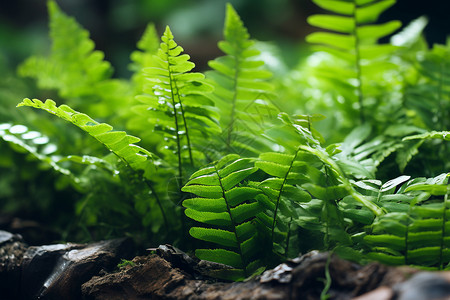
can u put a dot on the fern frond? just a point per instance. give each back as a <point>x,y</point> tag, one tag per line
<point>75,69</point>
<point>283,195</point>
<point>118,142</point>
<point>147,46</point>
<point>35,144</point>
<point>418,234</point>
<point>227,209</point>
<point>242,91</point>
<point>353,38</point>
<point>176,103</point>
<point>429,96</point>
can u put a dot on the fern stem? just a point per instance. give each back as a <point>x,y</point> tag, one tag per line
<point>441,105</point>
<point>177,129</point>
<point>358,68</point>
<point>188,140</point>
<point>279,196</point>
<point>148,183</point>
<point>158,201</point>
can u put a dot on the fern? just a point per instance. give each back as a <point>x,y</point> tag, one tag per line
<point>305,188</point>
<point>242,92</point>
<point>353,39</point>
<point>371,152</point>
<point>428,95</point>
<point>283,195</point>
<point>443,135</point>
<point>138,120</point>
<point>227,209</point>
<point>418,235</point>
<point>148,46</point>
<point>176,103</point>
<point>77,71</point>
<point>34,143</point>
<point>118,142</point>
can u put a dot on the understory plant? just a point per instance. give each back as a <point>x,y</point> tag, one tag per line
<point>359,166</point>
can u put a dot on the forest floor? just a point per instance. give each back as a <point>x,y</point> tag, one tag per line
<point>90,271</point>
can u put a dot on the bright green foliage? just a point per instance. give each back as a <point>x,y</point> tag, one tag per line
<point>429,94</point>
<point>32,142</point>
<point>137,159</point>
<point>138,119</point>
<point>176,103</point>
<point>75,69</point>
<point>227,209</point>
<point>148,46</point>
<point>443,135</point>
<point>118,142</point>
<point>416,229</point>
<point>353,40</point>
<point>276,187</point>
<point>242,91</point>
<point>284,197</point>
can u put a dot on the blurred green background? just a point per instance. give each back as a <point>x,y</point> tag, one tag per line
<point>116,25</point>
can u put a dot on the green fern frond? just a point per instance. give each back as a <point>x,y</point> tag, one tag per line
<point>118,142</point>
<point>75,69</point>
<point>418,234</point>
<point>176,103</point>
<point>34,143</point>
<point>227,209</point>
<point>360,146</point>
<point>443,135</point>
<point>353,38</point>
<point>148,46</point>
<point>242,91</point>
<point>284,197</point>
<point>429,94</point>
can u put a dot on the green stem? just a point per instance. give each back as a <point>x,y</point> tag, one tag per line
<point>279,196</point>
<point>158,201</point>
<point>177,129</point>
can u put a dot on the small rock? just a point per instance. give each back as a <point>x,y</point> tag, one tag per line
<point>423,285</point>
<point>58,271</point>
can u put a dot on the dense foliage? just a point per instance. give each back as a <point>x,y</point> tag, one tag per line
<point>358,166</point>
